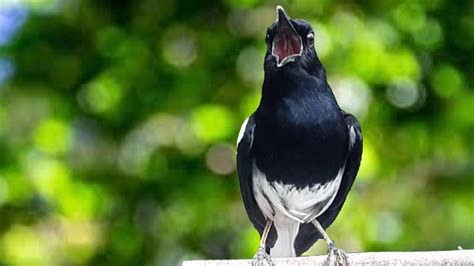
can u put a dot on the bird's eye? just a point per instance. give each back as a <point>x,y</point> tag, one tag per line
<point>310,39</point>
<point>267,38</point>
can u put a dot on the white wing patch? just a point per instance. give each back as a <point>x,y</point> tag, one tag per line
<point>302,205</point>
<point>352,137</point>
<point>242,131</point>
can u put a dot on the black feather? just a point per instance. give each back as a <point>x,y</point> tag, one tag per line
<point>298,136</point>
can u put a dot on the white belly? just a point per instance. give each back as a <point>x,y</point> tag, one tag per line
<point>288,206</point>
<point>300,204</point>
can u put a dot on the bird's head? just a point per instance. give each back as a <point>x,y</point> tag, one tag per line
<point>289,42</point>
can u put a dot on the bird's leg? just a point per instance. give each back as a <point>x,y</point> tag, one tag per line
<point>262,258</point>
<point>336,256</point>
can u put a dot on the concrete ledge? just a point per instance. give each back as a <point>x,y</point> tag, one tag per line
<point>455,257</point>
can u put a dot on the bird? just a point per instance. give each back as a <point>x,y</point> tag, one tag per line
<point>299,153</point>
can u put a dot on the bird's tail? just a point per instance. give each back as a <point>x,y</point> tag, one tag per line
<point>285,242</point>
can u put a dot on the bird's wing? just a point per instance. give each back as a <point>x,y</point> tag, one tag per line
<point>245,172</point>
<point>350,172</point>
<point>308,234</point>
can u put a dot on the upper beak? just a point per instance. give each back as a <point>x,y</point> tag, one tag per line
<point>287,44</point>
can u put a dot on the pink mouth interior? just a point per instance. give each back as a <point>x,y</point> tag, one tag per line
<point>286,44</point>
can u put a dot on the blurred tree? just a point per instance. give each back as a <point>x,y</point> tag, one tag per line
<point>118,121</point>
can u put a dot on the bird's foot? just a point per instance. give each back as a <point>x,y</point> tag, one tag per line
<point>336,256</point>
<point>262,258</point>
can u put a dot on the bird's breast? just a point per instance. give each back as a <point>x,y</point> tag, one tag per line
<point>300,155</point>
<point>300,140</point>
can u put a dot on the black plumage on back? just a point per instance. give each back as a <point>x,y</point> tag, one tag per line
<point>298,153</point>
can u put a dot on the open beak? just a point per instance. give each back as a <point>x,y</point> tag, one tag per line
<point>287,44</point>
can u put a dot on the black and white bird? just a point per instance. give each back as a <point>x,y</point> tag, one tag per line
<point>299,153</point>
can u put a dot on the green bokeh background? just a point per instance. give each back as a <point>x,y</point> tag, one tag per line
<point>118,122</point>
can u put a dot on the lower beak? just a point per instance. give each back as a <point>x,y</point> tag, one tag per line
<point>287,44</point>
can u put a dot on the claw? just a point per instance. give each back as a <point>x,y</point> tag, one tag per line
<point>336,256</point>
<point>342,257</point>
<point>262,258</point>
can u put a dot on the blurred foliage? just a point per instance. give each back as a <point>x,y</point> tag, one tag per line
<point>118,122</point>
